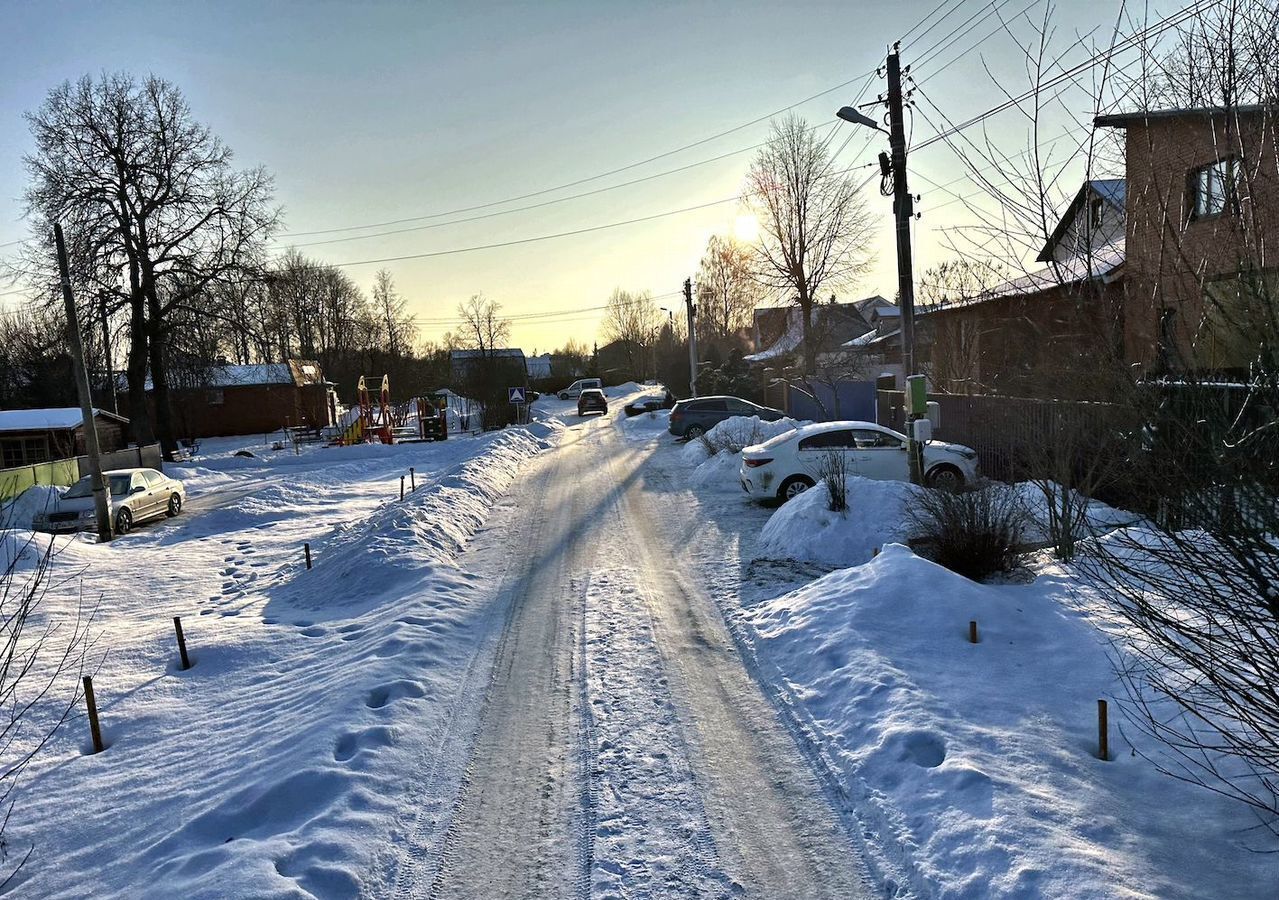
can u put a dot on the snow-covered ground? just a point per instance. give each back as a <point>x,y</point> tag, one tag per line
<point>317,745</point>
<point>275,766</point>
<point>972,765</point>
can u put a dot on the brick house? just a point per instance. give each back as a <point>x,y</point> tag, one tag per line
<point>1156,273</point>
<point>252,399</point>
<point>1203,192</point>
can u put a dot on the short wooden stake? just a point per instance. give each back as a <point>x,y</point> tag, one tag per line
<point>874,553</point>
<point>1103,731</point>
<point>306,548</point>
<point>182,642</point>
<point>412,480</point>
<point>94,728</point>
<point>972,632</point>
<point>401,487</point>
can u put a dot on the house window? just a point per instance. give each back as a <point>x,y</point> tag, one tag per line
<point>1214,188</point>
<point>1236,319</point>
<point>23,451</point>
<point>216,398</point>
<point>1096,212</point>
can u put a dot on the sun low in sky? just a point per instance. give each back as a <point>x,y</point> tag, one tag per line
<point>543,154</point>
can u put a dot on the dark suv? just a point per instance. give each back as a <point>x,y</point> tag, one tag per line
<point>692,418</point>
<point>591,400</point>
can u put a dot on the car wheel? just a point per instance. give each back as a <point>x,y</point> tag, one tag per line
<point>123,521</point>
<point>945,478</point>
<point>693,432</point>
<point>794,486</point>
<point>175,506</point>
<point>563,395</point>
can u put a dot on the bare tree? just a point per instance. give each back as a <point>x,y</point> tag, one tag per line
<point>726,289</point>
<point>142,189</point>
<point>482,328</point>
<point>392,313</point>
<point>815,228</point>
<point>633,320</point>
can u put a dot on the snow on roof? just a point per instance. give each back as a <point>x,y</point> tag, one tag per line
<point>229,376</point>
<point>861,340</point>
<point>1100,265</point>
<point>56,419</point>
<point>785,345</point>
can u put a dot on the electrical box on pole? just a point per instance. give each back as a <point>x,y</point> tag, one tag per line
<point>82,388</point>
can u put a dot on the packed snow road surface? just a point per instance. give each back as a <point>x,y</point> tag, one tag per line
<point>620,748</point>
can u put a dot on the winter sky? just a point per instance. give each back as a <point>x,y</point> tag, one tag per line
<point>373,112</point>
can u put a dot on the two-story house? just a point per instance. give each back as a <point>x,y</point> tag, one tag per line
<point>1203,194</point>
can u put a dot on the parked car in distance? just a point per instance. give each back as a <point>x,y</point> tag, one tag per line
<point>591,400</point>
<point>649,404</point>
<point>693,418</point>
<point>788,464</point>
<point>134,496</point>
<point>574,390</point>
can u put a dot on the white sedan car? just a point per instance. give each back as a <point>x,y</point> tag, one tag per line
<point>789,464</point>
<point>135,496</point>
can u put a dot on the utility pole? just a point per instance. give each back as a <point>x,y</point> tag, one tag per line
<point>692,336</point>
<point>904,211</point>
<point>82,388</point>
<point>106,351</point>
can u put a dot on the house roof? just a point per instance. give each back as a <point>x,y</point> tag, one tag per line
<point>55,419</point>
<point>1123,120</point>
<point>1114,191</point>
<point>854,316</point>
<point>294,372</point>
<point>1102,264</point>
<point>503,352</point>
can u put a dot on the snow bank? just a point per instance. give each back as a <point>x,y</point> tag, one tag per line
<point>720,470</point>
<point>300,745</point>
<point>646,426</point>
<point>805,528</point>
<point>1098,517</point>
<point>18,512</point>
<point>975,763</point>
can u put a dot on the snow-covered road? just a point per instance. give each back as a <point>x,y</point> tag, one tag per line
<point>619,746</point>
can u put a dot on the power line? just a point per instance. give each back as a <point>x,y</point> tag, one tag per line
<point>1127,44</point>
<point>905,43</point>
<point>589,178</point>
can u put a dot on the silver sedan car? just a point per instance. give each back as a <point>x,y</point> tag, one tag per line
<point>136,495</point>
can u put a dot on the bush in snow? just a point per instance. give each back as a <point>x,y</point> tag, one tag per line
<point>833,468</point>
<point>38,656</point>
<point>974,533</point>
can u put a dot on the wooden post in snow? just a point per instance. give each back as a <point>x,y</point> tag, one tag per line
<point>182,642</point>
<point>91,704</point>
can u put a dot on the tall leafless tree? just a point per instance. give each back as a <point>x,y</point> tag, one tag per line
<point>726,289</point>
<point>633,320</point>
<point>815,227</point>
<point>155,212</point>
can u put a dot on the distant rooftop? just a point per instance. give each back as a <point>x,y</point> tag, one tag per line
<point>1123,120</point>
<point>54,419</point>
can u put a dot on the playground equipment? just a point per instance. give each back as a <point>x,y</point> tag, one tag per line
<point>390,424</point>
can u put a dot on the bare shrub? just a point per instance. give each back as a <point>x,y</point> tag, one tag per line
<point>833,468</point>
<point>974,533</point>
<point>41,659</point>
<point>733,436</point>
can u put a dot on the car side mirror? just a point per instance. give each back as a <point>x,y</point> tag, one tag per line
<point>137,490</point>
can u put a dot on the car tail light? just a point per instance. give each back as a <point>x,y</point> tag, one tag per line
<point>753,463</point>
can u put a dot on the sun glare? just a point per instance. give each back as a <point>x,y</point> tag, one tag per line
<point>746,228</point>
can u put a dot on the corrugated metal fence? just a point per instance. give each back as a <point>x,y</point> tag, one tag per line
<point>66,472</point>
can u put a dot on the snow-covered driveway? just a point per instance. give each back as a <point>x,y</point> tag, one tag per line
<point>621,748</point>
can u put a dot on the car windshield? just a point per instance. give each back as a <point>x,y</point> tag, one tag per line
<point>82,488</point>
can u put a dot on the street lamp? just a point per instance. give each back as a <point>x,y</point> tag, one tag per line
<point>849,114</point>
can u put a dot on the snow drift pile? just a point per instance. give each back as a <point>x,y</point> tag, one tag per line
<point>717,455</point>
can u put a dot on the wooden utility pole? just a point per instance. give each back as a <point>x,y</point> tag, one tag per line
<point>692,336</point>
<point>903,212</point>
<point>82,388</point>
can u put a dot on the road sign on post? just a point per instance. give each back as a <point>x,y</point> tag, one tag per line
<point>515,394</point>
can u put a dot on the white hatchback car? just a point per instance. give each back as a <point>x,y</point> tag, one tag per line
<point>135,496</point>
<point>789,464</point>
